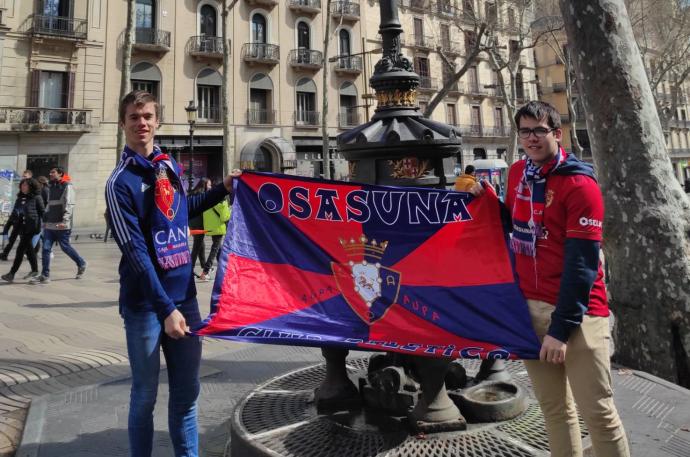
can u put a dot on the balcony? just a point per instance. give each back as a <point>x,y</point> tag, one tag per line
<point>265,3</point>
<point>209,47</point>
<point>348,118</point>
<point>60,27</point>
<point>679,153</point>
<point>379,38</point>
<point>476,90</point>
<point>309,119</point>
<point>455,89</point>
<point>417,5</point>
<point>347,10</point>
<point>261,117</point>
<point>209,115</point>
<point>148,39</point>
<point>305,6</point>
<point>422,42</point>
<point>261,53</point>
<point>348,65</point>
<point>495,131</point>
<point>18,119</point>
<point>565,118</point>
<point>679,123</point>
<point>471,130</point>
<point>305,59</point>
<point>445,8</point>
<point>451,48</point>
<point>427,84</point>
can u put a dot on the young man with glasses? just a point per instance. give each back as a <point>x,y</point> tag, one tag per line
<point>557,212</point>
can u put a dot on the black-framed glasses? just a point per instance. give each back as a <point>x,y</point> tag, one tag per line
<point>539,132</point>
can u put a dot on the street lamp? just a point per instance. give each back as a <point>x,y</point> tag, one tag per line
<point>191,119</point>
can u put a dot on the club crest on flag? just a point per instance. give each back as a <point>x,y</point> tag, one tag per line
<point>367,286</point>
<point>164,195</point>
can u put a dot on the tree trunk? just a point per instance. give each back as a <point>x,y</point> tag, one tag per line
<point>125,84</point>
<point>228,161</point>
<point>648,215</point>
<point>324,105</point>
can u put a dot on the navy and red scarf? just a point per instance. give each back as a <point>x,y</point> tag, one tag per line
<point>169,224</point>
<point>529,204</point>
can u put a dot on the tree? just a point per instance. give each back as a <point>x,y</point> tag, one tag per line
<point>662,32</point>
<point>225,99</point>
<point>647,226</point>
<point>125,79</point>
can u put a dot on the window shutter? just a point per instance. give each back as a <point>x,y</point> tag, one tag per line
<point>35,87</point>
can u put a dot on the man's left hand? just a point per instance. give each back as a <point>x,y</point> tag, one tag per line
<point>552,350</point>
<point>227,181</point>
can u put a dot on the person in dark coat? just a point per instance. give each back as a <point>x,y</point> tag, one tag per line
<point>30,200</point>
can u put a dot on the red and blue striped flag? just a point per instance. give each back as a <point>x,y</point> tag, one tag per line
<point>412,270</point>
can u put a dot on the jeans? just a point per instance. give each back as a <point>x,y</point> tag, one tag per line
<point>62,238</point>
<point>145,338</point>
<point>198,250</point>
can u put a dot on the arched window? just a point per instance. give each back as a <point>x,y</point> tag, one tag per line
<point>258,28</point>
<point>348,115</point>
<point>344,39</point>
<point>208,84</point>
<point>303,35</point>
<point>306,114</point>
<point>146,14</point>
<point>260,100</point>
<point>146,76</point>
<point>207,21</point>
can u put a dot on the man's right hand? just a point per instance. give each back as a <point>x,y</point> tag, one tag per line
<point>479,189</point>
<point>175,325</point>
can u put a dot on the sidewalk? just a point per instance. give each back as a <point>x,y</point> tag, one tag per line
<point>63,365</point>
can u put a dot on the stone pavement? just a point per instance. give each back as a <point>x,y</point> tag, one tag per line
<point>64,374</point>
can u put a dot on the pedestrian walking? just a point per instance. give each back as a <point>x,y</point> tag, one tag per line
<point>215,224</point>
<point>29,224</point>
<point>58,224</point>
<point>196,227</point>
<point>466,181</point>
<point>149,213</point>
<point>557,213</point>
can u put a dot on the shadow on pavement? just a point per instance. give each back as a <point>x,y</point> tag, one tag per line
<point>79,304</point>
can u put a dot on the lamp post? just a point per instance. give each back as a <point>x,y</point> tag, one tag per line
<point>191,120</point>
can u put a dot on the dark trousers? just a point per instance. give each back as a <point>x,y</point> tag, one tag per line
<point>10,241</point>
<point>198,250</point>
<point>24,247</point>
<point>216,241</point>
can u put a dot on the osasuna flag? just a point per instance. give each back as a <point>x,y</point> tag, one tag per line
<point>324,263</point>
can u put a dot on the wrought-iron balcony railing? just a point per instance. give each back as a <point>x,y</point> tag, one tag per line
<point>456,88</point>
<point>305,58</point>
<point>208,115</point>
<point>679,123</point>
<point>379,38</point>
<point>424,42</point>
<point>205,46</point>
<point>307,118</point>
<point>348,64</point>
<point>427,83</point>
<point>305,6</point>
<point>269,3</point>
<point>261,117</point>
<point>45,118</point>
<point>64,27</point>
<point>446,8</point>
<point>476,89</point>
<point>679,152</point>
<point>345,9</point>
<point>151,39</point>
<point>451,47</point>
<point>471,129</point>
<point>495,131</point>
<point>261,53</point>
<point>416,5</point>
<point>348,118</point>
<point>558,87</point>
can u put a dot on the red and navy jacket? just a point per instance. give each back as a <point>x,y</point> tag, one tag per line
<point>566,271</point>
<point>144,285</point>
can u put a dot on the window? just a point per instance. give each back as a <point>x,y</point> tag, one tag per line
<point>498,121</point>
<point>468,7</point>
<point>208,84</point>
<point>258,28</point>
<point>445,36</point>
<point>146,76</point>
<point>305,114</point>
<point>474,79</point>
<point>145,14</point>
<point>422,66</point>
<point>418,31</point>
<point>450,114</point>
<point>479,153</point>
<point>476,115</point>
<point>470,41</point>
<point>344,41</point>
<point>207,21</point>
<point>260,101</point>
<point>511,18</point>
<point>348,105</point>
<point>490,12</point>
<point>148,86</point>
<point>303,35</point>
<point>423,105</point>
<point>519,86</point>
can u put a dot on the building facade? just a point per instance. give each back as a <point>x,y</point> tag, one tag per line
<point>60,72</point>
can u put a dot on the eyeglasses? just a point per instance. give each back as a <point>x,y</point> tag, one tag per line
<point>539,132</point>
